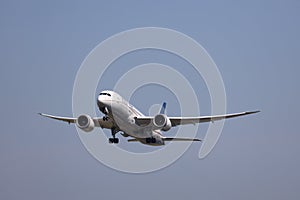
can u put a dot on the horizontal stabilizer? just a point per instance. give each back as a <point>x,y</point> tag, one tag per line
<point>182,139</point>
<point>172,139</point>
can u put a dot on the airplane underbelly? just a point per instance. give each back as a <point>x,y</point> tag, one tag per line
<point>134,130</point>
<point>124,119</point>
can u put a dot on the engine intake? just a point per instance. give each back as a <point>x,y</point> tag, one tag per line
<point>85,122</point>
<point>162,121</point>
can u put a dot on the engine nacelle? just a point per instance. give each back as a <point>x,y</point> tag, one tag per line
<point>162,121</point>
<point>85,122</point>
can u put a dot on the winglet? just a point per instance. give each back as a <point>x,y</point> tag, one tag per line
<point>163,108</point>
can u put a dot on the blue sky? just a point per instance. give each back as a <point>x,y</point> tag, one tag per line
<point>255,45</point>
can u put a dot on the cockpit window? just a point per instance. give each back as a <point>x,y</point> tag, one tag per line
<point>104,93</point>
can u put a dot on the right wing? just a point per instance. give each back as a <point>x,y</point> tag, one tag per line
<point>99,122</point>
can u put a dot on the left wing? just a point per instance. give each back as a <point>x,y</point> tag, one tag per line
<point>175,121</point>
<point>194,120</point>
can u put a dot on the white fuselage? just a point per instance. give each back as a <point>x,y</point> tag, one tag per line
<point>123,115</point>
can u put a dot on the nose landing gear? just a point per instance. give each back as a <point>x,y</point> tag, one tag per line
<point>105,118</point>
<point>114,140</point>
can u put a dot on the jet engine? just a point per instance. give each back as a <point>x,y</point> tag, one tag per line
<point>85,122</point>
<point>162,121</point>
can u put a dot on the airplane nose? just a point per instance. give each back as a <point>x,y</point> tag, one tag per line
<point>103,103</point>
<point>100,101</point>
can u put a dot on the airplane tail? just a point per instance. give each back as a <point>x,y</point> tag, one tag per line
<point>163,108</point>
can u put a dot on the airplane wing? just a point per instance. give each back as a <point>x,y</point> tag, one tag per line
<point>193,120</point>
<point>99,122</point>
<point>65,119</point>
<point>175,121</point>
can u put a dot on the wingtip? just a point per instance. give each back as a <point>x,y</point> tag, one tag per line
<point>253,112</point>
<point>196,140</point>
<point>42,114</point>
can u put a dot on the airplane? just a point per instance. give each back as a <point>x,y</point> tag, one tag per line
<point>121,116</point>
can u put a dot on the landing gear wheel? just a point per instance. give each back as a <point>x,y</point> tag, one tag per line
<point>113,140</point>
<point>153,140</point>
<point>105,118</point>
<point>116,140</point>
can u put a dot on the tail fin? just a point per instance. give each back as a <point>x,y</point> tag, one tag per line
<point>163,108</point>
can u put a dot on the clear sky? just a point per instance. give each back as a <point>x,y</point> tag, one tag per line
<point>256,46</point>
